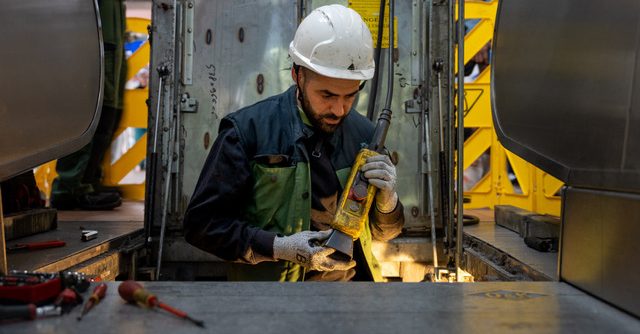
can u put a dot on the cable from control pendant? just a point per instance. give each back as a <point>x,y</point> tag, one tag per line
<point>380,132</point>
<point>387,104</point>
<point>377,55</point>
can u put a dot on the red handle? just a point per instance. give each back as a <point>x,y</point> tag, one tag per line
<point>99,292</point>
<point>42,245</point>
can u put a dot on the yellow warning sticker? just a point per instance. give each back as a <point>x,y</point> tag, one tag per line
<point>370,12</point>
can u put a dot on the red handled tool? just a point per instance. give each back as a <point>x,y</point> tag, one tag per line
<point>96,297</point>
<point>133,292</point>
<point>36,245</point>
<point>30,311</point>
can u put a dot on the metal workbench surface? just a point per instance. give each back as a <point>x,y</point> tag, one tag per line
<point>111,234</point>
<point>514,307</point>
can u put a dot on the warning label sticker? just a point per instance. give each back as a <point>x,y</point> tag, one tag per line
<point>370,12</point>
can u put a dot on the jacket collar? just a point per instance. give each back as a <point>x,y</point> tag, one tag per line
<point>298,128</point>
<point>302,131</point>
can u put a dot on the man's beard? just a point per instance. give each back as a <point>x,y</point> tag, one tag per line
<point>316,119</point>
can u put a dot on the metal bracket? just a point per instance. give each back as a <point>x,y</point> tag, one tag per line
<point>416,44</point>
<point>188,104</point>
<point>187,46</point>
<point>413,107</point>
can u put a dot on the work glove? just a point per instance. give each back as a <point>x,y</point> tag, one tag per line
<point>304,249</point>
<point>380,172</point>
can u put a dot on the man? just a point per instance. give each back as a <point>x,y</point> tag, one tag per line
<point>269,187</point>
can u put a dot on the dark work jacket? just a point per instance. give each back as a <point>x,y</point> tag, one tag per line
<point>256,183</point>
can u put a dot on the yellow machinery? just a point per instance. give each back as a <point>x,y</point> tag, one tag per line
<point>534,189</point>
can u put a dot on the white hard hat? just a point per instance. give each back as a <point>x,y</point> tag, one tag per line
<point>334,41</point>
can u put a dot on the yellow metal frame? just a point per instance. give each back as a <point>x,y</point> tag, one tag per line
<point>538,188</point>
<point>134,115</point>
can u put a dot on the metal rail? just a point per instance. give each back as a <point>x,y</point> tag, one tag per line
<point>460,169</point>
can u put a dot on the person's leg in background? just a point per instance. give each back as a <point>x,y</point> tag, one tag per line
<point>78,184</point>
<point>116,16</point>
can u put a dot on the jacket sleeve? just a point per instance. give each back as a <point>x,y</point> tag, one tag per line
<point>386,226</point>
<point>213,220</point>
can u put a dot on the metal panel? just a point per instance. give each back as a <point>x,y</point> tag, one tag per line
<point>599,245</point>
<point>355,307</point>
<point>245,61</point>
<point>240,57</point>
<point>567,72</point>
<point>50,80</point>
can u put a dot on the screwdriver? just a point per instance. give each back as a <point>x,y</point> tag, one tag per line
<point>29,311</point>
<point>133,292</point>
<point>36,245</point>
<point>96,296</point>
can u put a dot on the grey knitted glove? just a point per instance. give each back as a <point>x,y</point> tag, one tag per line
<point>382,174</point>
<point>302,248</point>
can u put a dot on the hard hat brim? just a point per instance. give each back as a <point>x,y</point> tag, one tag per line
<point>361,74</point>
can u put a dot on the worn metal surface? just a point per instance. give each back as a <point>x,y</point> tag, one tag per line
<point>506,246</point>
<point>486,262</point>
<point>539,307</point>
<point>111,235</point>
<point>51,82</point>
<point>569,72</point>
<point>599,246</point>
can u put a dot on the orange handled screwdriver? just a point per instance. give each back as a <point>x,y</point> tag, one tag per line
<point>97,295</point>
<point>133,292</point>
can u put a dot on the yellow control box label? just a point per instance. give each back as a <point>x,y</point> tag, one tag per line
<point>370,10</point>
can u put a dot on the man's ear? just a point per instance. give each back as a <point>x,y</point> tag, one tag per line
<point>293,75</point>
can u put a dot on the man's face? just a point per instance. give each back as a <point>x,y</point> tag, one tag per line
<point>326,101</point>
